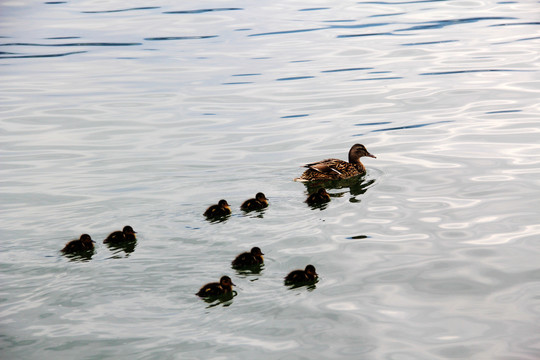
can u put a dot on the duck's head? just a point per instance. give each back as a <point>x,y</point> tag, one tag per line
<point>224,204</point>
<point>256,251</point>
<point>261,197</point>
<point>85,238</point>
<point>128,230</point>
<point>310,270</point>
<point>226,281</point>
<point>357,151</point>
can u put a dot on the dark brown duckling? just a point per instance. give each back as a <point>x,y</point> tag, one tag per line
<point>319,197</point>
<point>224,286</point>
<point>335,169</point>
<point>249,259</point>
<point>84,243</point>
<point>126,235</point>
<point>259,202</point>
<point>298,277</point>
<point>218,210</point>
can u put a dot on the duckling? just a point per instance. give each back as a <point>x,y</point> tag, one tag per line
<point>127,234</point>
<point>335,169</point>
<point>224,286</point>
<point>84,243</point>
<point>221,209</point>
<point>297,277</point>
<point>249,259</point>
<point>319,197</point>
<point>259,202</point>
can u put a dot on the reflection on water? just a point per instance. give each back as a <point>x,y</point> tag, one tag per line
<point>147,113</point>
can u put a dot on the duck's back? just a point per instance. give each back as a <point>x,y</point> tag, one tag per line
<point>253,204</point>
<point>211,289</point>
<point>245,259</point>
<point>296,276</point>
<point>331,169</point>
<point>216,211</point>
<point>76,246</point>
<point>115,237</point>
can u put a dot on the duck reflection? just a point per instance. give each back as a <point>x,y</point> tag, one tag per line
<point>357,186</point>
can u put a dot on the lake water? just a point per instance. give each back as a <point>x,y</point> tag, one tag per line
<point>146,113</point>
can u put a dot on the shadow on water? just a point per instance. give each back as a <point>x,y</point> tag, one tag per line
<point>357,185</point>
<point>225,299</point>
<point>251,270</point>
<point>310,286</point>
<point>82,256</point>
<point>127,247</point>
<point>254,213</point>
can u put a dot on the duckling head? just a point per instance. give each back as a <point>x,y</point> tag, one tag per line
<point>261,197</point>
<point>224,204</point>
<point>226,281</point>
<point>256,251</point>
<point>310,270</point>
<point>128,230</point>
<point>85,238</point>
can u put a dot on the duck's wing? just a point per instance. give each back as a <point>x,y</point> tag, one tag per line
<point>327,166</point>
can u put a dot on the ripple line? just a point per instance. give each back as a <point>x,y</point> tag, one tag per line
<point>472,71</point>
<point>200,11</point>
<point>120,10</point>
<point>42,56</point>
<point>165,38</point>
<point>72,44</point>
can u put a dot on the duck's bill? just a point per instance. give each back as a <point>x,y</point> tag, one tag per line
<point>371,156</point>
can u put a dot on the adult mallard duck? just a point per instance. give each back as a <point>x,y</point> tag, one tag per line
<point>299,277</point>
<point>335,169</point>
<point>84,243</point>
<point>224,286</point>
<point>126,235</point>
<point>319,197</point>
<point>249,259</point>
<point>259,202</point>
<point>218,210</point>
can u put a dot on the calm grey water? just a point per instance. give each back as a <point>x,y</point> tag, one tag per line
<point>148,112</point>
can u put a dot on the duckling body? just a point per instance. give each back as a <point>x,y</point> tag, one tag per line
<point>319,197</point>
<point>298,277</point>
<point>249,259</point>
<point>224,286</point>
<point>257,203</point>
<point>218,210</point>
<point>126,235</point>
<point>336,169</point>
<point>84,243</point>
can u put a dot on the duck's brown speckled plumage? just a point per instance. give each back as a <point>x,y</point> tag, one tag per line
<point>224,286</point>
<point>249,259</point>
<point>298,277</point>
<point>84,243</point>
<point>336,169</point>
<point>319,197</point>
<point>221,209</point>
<point>126,235</point>
<point>259,202</point>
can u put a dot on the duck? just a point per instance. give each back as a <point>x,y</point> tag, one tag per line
<point>84,243</point>
<point>249,259</point>
<point>126,235</point>
<point>218,210</point>
<point>298,277</point>
<point>224,286</point>
<point>336,169</point>
<point>257,203</point>
<point>319,197</point>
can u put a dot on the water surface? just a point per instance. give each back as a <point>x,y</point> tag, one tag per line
<point>147,113</point>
